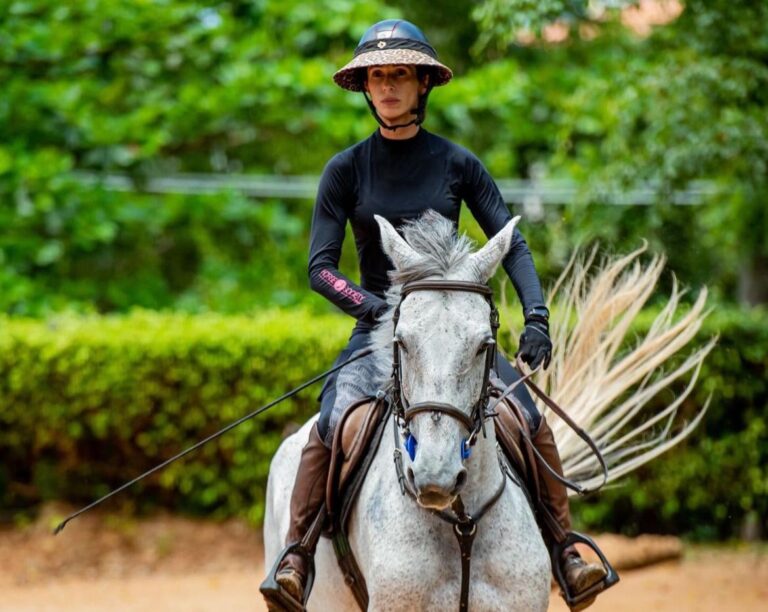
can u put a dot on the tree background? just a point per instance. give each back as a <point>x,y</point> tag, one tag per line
<point>159,88</point>
<point>558,89</point>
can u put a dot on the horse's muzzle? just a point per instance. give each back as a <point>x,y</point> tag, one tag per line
<point>434,494</point>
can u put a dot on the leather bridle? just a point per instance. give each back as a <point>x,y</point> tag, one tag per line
<point>474,422</point>
<point>465,524</point>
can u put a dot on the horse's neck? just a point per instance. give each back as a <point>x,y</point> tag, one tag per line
<point>485,473</point>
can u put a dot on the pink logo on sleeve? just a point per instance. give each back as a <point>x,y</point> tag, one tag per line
<point>341,286</point>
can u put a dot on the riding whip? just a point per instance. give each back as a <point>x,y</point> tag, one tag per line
<point>197,445</point>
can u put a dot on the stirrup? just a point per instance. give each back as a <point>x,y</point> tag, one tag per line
<point>574,599</point>
<point>274,593</point>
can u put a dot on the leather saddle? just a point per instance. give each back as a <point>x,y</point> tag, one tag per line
<point>353,449</point>
<point>511,425</point>
<point>355,442</point>
<point>359,433</point>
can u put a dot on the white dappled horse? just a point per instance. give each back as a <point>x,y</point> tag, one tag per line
<point>409,556</point>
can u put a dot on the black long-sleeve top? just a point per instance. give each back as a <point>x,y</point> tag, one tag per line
<point>400,180</point>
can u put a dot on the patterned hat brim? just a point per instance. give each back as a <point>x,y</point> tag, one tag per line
<point>348,77</point>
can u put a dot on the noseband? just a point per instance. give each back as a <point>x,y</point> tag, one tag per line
<point>474,422</point>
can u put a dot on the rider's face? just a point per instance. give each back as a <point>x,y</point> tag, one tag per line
<point>394,91</point>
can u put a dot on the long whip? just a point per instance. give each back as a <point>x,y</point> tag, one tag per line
<point>197,445</point>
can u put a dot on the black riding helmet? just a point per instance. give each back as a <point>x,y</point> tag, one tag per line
<point>394,42</point>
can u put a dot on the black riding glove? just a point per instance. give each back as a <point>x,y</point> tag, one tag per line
<point>535,345</point>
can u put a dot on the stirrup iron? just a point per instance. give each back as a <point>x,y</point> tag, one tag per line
<point>274,593</point>
<point>574,599</point>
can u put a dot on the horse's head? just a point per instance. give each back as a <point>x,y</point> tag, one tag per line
<point>443,340</point>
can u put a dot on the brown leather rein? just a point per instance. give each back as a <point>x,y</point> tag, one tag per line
<point>551,404</point>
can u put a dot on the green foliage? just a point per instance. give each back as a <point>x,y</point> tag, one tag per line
<point>88,403</point>
<point>111,252</point>
<point>183,84</point>
<point>501,21</point>
<point>245,86</point>
<point>148,88</point>
<point>667,125</point>
<point>686,103</point>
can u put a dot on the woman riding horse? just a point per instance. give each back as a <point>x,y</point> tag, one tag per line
<point>399,172</point>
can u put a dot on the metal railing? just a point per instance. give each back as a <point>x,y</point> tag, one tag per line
<point>528,193</point>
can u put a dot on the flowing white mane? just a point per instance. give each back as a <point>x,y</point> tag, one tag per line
<point>610,383</point>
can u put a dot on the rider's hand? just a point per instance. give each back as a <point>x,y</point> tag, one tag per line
<point>535,345</point>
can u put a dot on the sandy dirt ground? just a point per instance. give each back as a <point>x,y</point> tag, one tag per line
<point>168,563</point>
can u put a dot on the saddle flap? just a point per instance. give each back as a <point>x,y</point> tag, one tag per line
<point>511,426</point>
<point>351,442</point>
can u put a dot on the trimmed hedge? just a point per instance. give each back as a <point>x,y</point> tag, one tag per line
<point>88,403</point>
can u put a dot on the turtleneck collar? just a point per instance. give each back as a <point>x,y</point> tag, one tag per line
<point>400,144</point>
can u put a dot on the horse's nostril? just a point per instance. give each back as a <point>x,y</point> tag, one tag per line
<point>461,479</point>
<point>410,475</point>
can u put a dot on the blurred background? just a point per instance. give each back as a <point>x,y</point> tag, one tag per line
<point>158,163</point>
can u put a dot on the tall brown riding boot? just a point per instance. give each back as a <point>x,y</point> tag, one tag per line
<point>306,500</point>
<point>578,574</point>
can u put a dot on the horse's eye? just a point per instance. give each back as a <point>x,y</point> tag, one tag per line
<point>484,346</point>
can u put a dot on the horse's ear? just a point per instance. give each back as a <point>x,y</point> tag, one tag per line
<point>398,250</point>
<point>487,259</point>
